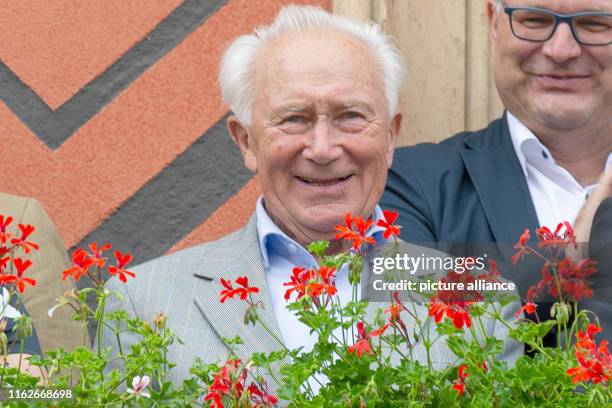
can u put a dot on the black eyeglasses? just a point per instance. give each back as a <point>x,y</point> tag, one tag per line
<point>539,25</point>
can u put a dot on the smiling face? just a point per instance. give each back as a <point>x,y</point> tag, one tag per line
<point>558,84</point>
<point>321,139</point>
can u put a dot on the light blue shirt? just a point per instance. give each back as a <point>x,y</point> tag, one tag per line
<point>280,255</point>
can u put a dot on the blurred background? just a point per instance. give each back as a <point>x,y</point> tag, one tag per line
<point>111,116</point>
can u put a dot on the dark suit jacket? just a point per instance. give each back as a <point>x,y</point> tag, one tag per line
<point>469,188</point>
<point>600,246</point>
<point>600,249</point>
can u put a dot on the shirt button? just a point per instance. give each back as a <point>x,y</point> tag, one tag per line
<point>544,154</point>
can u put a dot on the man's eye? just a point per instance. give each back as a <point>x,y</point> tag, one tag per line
<point>534,20</point>
<point>295,119</point>
<point>595,24</point>
<point>295,124</point>
<point>350,115</point>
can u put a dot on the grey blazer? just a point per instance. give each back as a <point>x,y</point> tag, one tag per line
<point>185,287</point>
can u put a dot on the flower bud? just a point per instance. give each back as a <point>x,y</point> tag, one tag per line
<point>71,294</point>
<point>23,326</point>
<point>561,312</point>
<point>3,343</point>
<point>250,315</point>
<point>355,267</point>
<point>379,319</point>
<point>371,389</point>
<point>159,320</point>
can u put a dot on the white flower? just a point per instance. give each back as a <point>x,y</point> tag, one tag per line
<point>7,310</point>
<point>52,310</point>
<point>139,385</point>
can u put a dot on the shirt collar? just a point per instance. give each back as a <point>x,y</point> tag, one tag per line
<point>274,241</point>
<point>529,149</point>
<point>527,146</point>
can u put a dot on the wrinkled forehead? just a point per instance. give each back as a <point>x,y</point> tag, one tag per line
<point>310,53</point>
<point>564,6</point>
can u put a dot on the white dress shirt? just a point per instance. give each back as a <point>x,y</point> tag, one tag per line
<point>555,193</point>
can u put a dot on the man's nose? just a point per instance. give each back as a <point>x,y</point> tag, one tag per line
<point>562,46</point>
<point>321,145</point>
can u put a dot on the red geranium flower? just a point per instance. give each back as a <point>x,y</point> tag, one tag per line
<point>223,383</point>
<point>387,223</point>
<point>460,387</point>
<point>594,362</point>
<point>21,266</point>
<point>230,381</point>
<point>311,282</point>
<point>229,291</point>
<point>245,289</point>
<point>299,278</point>
<point>528,308</point>
<point>265,398</point>
<point>460,383</point>
<point>395,318</point>
<point>4,223</point>
<point>456,311</point>
<point>345,231</point>
<point>81,262</point>
<point>358,237</point>
<point>26,230</point>
<point>3,263</point>
<point>571,279</point>
<point>324,282</point>
<point>362,345</point>
<point>96,253</point>
<point>327,274</point>
<point>557,239</point>
<point>521,246</point>
<point>122,261</point>
<point>456,304</point>
<point>394,312</point>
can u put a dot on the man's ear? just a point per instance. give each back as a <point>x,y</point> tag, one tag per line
<point>244,141</point>
<point>394,129</point>
<point>493,20</point>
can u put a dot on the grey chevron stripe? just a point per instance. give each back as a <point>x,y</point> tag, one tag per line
<point>55,127</point>
<point>177,200</point>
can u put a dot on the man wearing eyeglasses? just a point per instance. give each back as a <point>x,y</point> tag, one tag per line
<point>539,163</point>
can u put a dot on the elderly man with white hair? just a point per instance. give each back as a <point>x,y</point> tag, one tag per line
<point>315,102</point>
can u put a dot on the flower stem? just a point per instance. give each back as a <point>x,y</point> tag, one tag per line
<point>20,355</point>
<point>266,328</point>
<point>100,325</point>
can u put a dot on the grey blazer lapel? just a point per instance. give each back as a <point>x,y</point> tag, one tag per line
<point>227,319</point>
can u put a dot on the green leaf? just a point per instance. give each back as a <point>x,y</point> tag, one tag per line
<point>317,248</point>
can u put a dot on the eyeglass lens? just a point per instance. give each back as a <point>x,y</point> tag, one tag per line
<point>536,25</point>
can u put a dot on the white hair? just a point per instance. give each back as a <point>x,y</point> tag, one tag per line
<point>237,74</point>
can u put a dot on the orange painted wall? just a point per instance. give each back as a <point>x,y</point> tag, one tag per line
<point>58,48</point>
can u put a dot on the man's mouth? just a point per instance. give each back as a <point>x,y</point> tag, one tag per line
<point>323,182</point>
<point>564,82</point>
<point>562,77</point>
